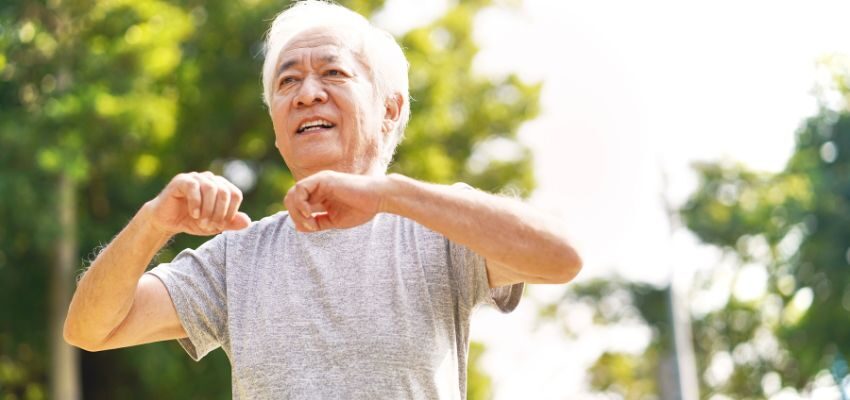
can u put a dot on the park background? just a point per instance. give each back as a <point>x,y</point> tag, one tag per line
<point>698,152</point>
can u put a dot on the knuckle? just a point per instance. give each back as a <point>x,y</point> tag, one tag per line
<point>178,180</point>
<point>194,189</point>
<point>206,186</point>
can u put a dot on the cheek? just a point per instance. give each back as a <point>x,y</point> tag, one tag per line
<point>280,138</point>
<point>276,128</point>
<point>367,125</point>
<point>278,117</point>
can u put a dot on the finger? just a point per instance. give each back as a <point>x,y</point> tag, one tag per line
<point>222,202</point>
<point>208,199</point>
<point>239,221</point>
<point>323,221</point>
<point>189,188</point>
<point>317,190</point>
<point>302,203</point>
<point>300,195</point>
<point>310,224</point>
<point>299,216</point>
<point>317,207</point>
<point>235,202</point>
<point>288,202</point>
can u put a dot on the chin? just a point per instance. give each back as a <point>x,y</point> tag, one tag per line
<point>317,161</point>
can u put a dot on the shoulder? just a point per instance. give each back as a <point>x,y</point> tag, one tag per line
<point>268,227</point>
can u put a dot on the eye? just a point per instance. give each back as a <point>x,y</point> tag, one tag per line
<point>287,80</point>
<point>333,72</point>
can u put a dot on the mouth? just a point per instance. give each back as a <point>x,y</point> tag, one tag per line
<point>314,125</point>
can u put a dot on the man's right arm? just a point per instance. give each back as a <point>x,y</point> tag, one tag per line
<point>115,304</point>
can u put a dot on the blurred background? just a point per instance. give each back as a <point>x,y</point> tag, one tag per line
<point>698,152</point>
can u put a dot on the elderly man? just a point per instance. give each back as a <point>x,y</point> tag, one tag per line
<point>365,287</point>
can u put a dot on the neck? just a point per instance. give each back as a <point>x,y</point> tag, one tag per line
<point>373,169</point>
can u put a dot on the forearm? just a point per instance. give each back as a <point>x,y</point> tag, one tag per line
<point>105,293</point>
<point>502,230</point>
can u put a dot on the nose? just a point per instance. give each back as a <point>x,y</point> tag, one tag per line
<point>310,93</point>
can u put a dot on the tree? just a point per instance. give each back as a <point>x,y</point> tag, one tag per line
<point>100,105</point>
<point>615,301</point>
<point>793,225</point>
<point>62,104</point>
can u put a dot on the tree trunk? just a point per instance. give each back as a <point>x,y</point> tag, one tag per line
<point>686,364</point>
<point>64,368</point>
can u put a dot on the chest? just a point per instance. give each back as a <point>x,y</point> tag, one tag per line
<point>343,303</point>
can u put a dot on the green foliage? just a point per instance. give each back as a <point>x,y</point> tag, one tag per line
<point>733,202</point>
<point>631,376</point>
<point>796,225</point>
<point>478,382</point>
<point>450,116</point>
<point>616,301</point>
<point>801,214</point>
<point>121,95</point>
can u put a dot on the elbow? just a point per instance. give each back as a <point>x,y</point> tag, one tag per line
<point>569,266</point>
<point>81,343</point>
<point>74,338</point>
<point>68,334</point>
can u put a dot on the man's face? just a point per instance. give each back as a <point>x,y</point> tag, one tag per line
<point>324,108</point>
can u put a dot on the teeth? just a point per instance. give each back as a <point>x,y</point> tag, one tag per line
<point>314,123</point>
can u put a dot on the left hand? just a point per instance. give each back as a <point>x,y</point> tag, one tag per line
<point>334,200</point>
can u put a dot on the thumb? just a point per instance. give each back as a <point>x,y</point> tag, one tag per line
<point>239,221</point>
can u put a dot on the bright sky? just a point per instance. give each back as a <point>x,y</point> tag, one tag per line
<point>635,91</point>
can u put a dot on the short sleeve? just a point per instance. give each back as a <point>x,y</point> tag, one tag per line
<point>196,281</point>
<point>469,270</point>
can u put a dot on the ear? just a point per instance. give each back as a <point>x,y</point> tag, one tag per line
<point>392,112</point>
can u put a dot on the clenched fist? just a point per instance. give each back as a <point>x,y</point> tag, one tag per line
<point>335,200</point>
<point>199,204</point>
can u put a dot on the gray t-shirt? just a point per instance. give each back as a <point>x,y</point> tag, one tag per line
<point>378,311</point>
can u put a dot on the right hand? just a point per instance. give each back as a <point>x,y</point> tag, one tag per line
<point>199,204</point>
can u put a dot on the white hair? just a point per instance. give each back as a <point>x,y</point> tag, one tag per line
<point>386,62</point>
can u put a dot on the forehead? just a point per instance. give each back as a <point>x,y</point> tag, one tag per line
<point>324,41</point>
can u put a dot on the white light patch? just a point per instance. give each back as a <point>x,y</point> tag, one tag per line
<point>240,174</point>
<point>798,306</point>
<point>828,152</point>
<point>497,149</point>
<point>400,16</point>
<point>751,283</point>
<point>720,369</point>
<point>771,383</point>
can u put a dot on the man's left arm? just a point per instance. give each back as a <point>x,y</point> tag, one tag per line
<point>519,243</point>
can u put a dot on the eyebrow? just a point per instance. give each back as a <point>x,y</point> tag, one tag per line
<point>327,59</point>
